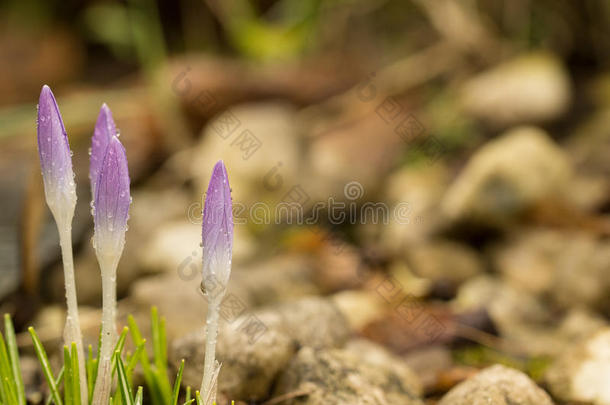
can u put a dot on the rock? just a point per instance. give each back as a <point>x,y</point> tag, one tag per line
<point>582,276</point>
<point>579,324</point>
<point>50,321</point>
<point>176,245</point>
<point>310,321</point>
<point>335,376</point>
<point>493,189</point>
<point>444,261</point>
<point>360,307</point>
<point>589,145</point>
<point>173,247</point>
<point>149,211</point>
<point>256,345</point>
<point>268,282</point>
<point>571,268</point>
<point>582,372</point>
<point>522,318</point>
<point>529,89</point>
<point>248,367</point>
<point>527,260</point>
<point>178,299</point>
<point>506,304</point>
<point>339,270</point>
<point>414,195</point>
<point>377,356</point>
<point>276,280</point>
<point>333,151</point>
<point>518,316</point>
<point>428,363</point>
<point>260,147</point>
<point>497,385</point>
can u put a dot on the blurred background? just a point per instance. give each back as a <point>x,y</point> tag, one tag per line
<point>451,152</point>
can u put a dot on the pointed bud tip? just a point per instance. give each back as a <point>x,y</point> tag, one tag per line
<point>217,227</point>
<point>104,130</point>
<point>112,199</point>
<point>54,153</point>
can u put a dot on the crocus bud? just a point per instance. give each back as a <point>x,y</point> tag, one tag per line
<point>217,232</point>
<point>105,129</point>
<point>111,202</point>
<point>55,159</point>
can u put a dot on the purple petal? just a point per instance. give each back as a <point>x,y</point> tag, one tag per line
<point>105,129</point>
<point>112,200</point>
<point>54,152</point>
<point>217,229</point>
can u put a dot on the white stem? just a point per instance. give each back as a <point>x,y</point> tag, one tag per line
<point>103,385</point>
<point>72,331</point>
<point>209,365</point>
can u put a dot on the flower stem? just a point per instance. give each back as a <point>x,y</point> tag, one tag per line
<point>210,366</point>
<point>103,385</point>
<point>72,331</point>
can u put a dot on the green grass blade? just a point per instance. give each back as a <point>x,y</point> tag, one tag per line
<point>13,351</point>
<point>188,393</point>
<point>198,398</point>
<point>139,396</point>
<point>68,391</point>
<point>60,378</point>
<point>132,361</point>
<point>6,374</point>
<point>75,375</point>
<point>160,354</point>
<point>91,366</point>
<point>149,377</point>
<point>124,386</point>
<point>7,388</point>
<point>46,368</point>
<point>120,344</point>
<point>177,383</point>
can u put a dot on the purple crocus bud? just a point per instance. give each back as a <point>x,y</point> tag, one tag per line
<point>111,203</point>
<point>55,159</point>
<point>217,232</point>
<point>105,129</point>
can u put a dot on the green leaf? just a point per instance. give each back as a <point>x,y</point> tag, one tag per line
<point>11,342</point>
<point>60,378</point>
<point>119,347</point>
<point>9,393</point>
<point>91,366</point>
<point>177,383</point>
<point>132,361</point>
<point>139,396</point>
<point>68,391</point>
<point>160,353</point>
<point>124,386</point>
<point>149,377</point>
<point>46,368</point>
<point>75,375</point>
